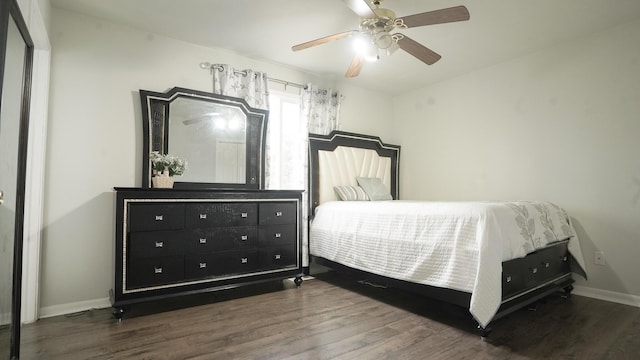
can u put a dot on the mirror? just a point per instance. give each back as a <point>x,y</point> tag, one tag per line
<point>221,138</point>
<point>16,59</point>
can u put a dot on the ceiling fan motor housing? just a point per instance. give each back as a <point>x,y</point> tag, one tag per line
<point>380,27</point>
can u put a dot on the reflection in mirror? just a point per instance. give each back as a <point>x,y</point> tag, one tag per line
<point>221,137</point>
<point>16,60</point>
<point>204,133</point>
<point>9,136</point>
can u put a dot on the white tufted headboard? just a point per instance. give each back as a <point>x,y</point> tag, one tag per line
<point>337,158</point>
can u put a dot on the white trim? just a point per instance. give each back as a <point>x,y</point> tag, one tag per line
<point>606,295</point>
<point>37,143</point>
<point>74,307</point>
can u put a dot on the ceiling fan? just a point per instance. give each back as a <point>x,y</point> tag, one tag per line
<point>374,34</point>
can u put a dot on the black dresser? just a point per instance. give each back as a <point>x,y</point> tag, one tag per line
<point>172,242</point>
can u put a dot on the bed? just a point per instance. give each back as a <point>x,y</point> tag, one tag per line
<point>490,257</point>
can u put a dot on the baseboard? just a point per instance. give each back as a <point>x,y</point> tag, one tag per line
<point>70,308</point>
<point>612,296</point>
<point>5,319</point>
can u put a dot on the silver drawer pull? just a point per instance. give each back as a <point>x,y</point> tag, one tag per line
<point>546,264</point>
<point>244,237</point>
<point>564,258</point>
<point>534,270</point>
<point>278,213</point>
<point>203,216</point>
<point>244,260</point>
<point>244,215</point>
<point>277,257</point>
<point>159,244</point>
<point>203,241</point>
<point>159,217</point>
<point>277,235</point>
<point>202,265</point>
<point>508,279</point>
<point>157,270</point>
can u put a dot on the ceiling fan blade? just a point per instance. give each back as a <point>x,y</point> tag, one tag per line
<point>323,40</point>
<point>453,14</point>
<point>418,50</point>
<point>355,67</point>
<point>361,7</point>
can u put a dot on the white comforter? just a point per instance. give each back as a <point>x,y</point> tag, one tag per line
<point>456,245</point>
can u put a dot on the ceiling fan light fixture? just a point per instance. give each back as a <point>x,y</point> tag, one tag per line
<point>383,40</point>
<point>391,49</point>
<point>365,46</point>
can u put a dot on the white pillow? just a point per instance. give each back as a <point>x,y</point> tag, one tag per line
<point>374,188</point>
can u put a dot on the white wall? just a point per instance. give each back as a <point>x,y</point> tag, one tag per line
<point>95,140</point>
<point>561,125</point>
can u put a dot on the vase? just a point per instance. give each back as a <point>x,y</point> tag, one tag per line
<point>162,180</point>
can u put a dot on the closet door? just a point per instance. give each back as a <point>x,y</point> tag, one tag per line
<point>16,51</point>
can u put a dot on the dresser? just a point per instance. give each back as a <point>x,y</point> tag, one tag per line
<point>172,242</point>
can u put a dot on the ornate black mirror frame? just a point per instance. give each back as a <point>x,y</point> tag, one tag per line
<point>155,125</point>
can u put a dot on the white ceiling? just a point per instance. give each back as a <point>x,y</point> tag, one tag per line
<point>498,30</point>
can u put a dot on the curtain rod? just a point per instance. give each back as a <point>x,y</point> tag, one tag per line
<point>211,67</point>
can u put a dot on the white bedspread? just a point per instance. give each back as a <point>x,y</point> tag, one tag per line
<point>455,245</point>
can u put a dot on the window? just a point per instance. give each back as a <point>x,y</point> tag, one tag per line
<point>286,142</point>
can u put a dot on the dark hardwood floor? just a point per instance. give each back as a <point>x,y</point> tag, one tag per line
<point>334,318</point>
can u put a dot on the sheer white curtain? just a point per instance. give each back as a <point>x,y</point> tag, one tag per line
<point>316,111</point>
<point>321,109</point>
<point>247,84</point>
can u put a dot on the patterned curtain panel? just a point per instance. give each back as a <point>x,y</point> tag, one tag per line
<point>321,109</point>
<point>247,84</point>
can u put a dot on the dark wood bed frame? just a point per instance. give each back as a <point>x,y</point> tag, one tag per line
<point>524,281</point>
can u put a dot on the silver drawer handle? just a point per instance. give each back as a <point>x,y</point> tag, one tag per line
<point>244,260</point>
<point>159,244</point>
<point>278,213</point>
<point>157,270</point>
<point>203,216</point>
<point>278,235</point>
<point>564,258</point>
<point>203,241</point>
<point>159,217</point>
<point>534,270</point>
<point>546,264</point>
<point>508,279</point>
<point>244,237</point>
<point>277,257</point>
<point>244,215</point>
<point>203,265</point>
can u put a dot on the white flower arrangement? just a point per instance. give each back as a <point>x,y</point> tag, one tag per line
<point>161,162</point>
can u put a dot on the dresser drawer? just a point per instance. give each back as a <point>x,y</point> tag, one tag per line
<point>536,269</point>
<point>551,263</point>
<point>278,213</point>
<point>198,265</point>
<point>156,216</point>
<point>222,238</point>
<point>155,271</point>
<point>276,257</point>
<point>234,262</point>
<point>513,278</point>
<point>203,215</point>
<point>147,244</point>
<point>277,234</point>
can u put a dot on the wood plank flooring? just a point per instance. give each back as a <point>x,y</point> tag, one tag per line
<point>331,317</point>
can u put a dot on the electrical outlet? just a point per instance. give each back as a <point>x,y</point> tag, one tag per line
<point>598,257</point>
